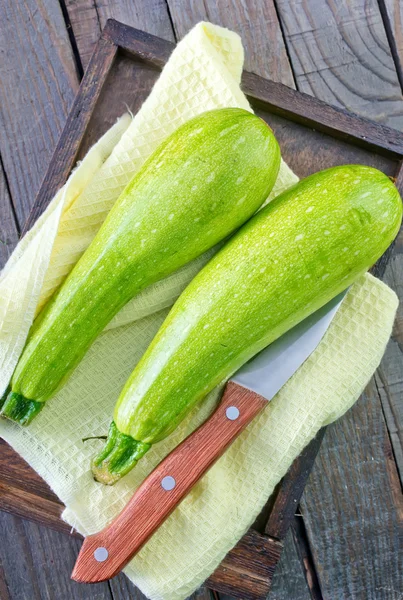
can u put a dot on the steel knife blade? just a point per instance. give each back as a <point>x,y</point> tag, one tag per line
<point>268,371</point>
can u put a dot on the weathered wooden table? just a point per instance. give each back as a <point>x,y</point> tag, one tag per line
<point>346,52</point>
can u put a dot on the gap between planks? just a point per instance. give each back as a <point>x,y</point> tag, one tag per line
<point>392,16</point>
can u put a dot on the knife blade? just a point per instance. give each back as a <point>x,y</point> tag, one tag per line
<point>268,371</point>
<point>105,553</point>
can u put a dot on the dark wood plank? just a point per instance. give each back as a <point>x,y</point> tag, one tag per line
<point>128,85</point>
<point>37,562</point>
<point>3,582</point>
<point>340,53</point>
<point>86,26</point>
<point>257,24</point>
<point>278,99</point>
<point>353,507</point>
<point>301,542</point>
<point>21,502</point>
<point>247,570</point>
<point>24,493</point>
<point>289,581</point>
<point>122,589</point>
<point>288,495</point>
<point>315,113</point>
<point>389,376</point>
<point>38,83</point>
<point>88,18</point>
<point>204,593</point>
<point>67,148</point>
<point>392,13</point>
<point>148,15</point>
<point>16,474</point>
<point>8,227</point>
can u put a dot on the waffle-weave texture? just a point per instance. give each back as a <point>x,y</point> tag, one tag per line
<point>203,73</point>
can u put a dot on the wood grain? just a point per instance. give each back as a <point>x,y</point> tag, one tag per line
<point>3,582</point>
<point>288,495</point>
<point>247,570</point>
<point>39,81</point>
<point>152,504</point>
<point>123,589</point>
<point>86,27</point>
<point>278,99</point>
<point>340,53</point>
<point>204,594</point>
<point>88,18</point>
<point>297,528</point>
<point>353,507</point>
<point>305,156</point>
<point>67,148</point>
<point>257,24</point>
<point>45,559</point>
<point>392,12</point>
<point>289,581</point>
<point>38,84</point>
<point>8,226</point>
<point>314,113</point>
<point>24,492</point>
<point>36,561</point>
<point>389,376</point>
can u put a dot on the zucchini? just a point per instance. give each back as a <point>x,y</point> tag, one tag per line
<point>292,257</point>
<point>201,184</point>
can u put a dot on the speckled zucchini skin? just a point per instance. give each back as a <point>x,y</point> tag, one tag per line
<point>199,186</point>
<point>305,247</point>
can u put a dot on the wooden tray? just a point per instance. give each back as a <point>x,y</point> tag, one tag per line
<point>313,135</point>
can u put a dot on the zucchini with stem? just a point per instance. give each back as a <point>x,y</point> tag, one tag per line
<point>200,185</point>
<point>291,258</point>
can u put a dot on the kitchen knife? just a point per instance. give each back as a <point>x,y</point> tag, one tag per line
<point>104,554</point>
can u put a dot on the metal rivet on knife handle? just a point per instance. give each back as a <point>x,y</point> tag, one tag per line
<point>168,483</point>
<point>232,413</point>
<point>101,554</point>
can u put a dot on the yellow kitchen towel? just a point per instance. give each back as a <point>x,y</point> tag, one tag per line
<point>203,73</point>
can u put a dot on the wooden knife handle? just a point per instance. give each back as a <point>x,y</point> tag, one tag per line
<point>104,554</point>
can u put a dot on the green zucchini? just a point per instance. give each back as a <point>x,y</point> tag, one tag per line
<point>305,247</point>
<point>201,184</point>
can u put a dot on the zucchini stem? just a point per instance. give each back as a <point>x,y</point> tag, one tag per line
<point>119,455</point>
<point>19,409</point>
